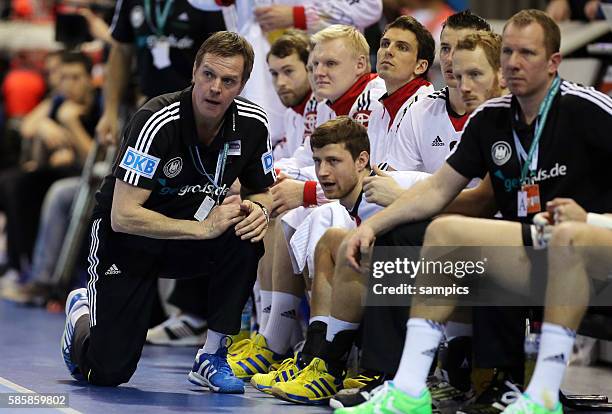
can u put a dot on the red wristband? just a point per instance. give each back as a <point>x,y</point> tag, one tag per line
<point>310,193</point>
<point>299,17</point>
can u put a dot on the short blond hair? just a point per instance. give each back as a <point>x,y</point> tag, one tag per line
<point>489,42</point>
<point>355,39</point>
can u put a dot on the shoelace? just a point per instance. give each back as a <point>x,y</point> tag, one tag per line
<point>223,367</point>
<point>312,371</point>
<point>509,397</point>
<point>286,364</point>
<point>243,348</point>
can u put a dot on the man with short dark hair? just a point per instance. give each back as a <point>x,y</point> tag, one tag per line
<point>161,214</point>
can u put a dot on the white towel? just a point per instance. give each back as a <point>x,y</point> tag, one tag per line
<point>309,232</point>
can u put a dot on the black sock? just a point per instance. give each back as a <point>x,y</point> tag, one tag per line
<point>315,340</point>
<point>336,352</point>
<point>456,360</point>
<point>80,340</point>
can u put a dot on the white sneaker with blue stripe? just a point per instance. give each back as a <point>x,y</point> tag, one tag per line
<point>75,301</point>
<point>213,371</point>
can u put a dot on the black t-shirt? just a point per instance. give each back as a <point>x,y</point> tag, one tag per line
<point>160,151</point>
<point>575,150</point>
<point>185,29</point>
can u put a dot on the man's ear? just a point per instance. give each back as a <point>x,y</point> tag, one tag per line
<point>362,63</point>
<point>421,67</point>
<point>193,73</point>
<point>553,62</point>
<point>501,81</point>
<point>363,160</point>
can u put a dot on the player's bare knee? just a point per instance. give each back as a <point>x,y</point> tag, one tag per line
<point>444,231</point>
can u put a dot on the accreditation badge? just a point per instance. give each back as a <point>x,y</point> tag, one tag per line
<point>161,53</point>
<point>529,200</point>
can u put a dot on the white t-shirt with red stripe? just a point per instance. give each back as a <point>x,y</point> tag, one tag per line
<point>429,132</point>
<point>387,119</point>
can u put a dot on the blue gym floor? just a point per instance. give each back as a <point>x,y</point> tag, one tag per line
<point>30,361</point>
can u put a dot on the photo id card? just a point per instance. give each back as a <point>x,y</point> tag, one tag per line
<point>204,209</point>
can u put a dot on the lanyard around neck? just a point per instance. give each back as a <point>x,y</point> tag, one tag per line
<point>161,17</point>
<point>221,161</point>
<point>531,159</point>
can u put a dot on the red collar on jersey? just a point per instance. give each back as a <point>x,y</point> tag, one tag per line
<point>457,120</point>
<point>394,102</point>
<point>343,104</point>
<point>299,108</point>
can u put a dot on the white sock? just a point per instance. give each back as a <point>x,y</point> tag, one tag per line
<point>555,349</point>
<point>457,329</point>
<point>324,319</point>
<point>213,342</point>
<point>336,325</point>
<point>422,340</point>
<point>266,307</point>
<point>283,317</point>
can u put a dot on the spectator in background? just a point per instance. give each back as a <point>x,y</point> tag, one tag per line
<point>164,40</point>
<point>430,13</point>
<point>66,130</point>
<point>587,10</point>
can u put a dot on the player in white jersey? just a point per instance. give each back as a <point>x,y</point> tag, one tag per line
<point>261,20</point>
<point>344,53</point>
<point>287,61</point>
<point>341,71</point>
<point>341,156</point>
<point>405,44</point>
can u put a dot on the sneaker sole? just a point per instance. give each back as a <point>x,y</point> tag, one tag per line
<point>298,400</point>
<point>197,379</point>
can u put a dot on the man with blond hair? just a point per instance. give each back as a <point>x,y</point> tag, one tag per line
<point>341,72</point>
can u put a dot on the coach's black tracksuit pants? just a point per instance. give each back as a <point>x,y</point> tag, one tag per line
<point>123,272</point>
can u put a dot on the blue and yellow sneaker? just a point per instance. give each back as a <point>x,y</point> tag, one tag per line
<point>314,385</point>
<point>77,299</point>
<point>213,371</point>
<point>525,405</point>
<point>387,399</point>
<point>287,370</point>
<point>254,357</point>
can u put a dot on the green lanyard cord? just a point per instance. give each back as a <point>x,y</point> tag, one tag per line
<point>161,17</point>
<point>542,116</point>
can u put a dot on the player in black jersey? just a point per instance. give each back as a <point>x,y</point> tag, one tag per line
<point>536,146</point>
<point>161,213</point>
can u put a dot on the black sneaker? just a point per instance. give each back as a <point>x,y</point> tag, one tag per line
<point>355,396</point>
<point>500,393</point>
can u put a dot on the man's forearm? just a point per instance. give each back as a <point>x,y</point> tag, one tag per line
<point>148,223</point>
<point>421,201</point>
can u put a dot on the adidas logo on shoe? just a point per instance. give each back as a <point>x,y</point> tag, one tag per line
<point>113,270</point>
<point>437,142</point>
<point>560,358</point>
<point>291,314</point>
